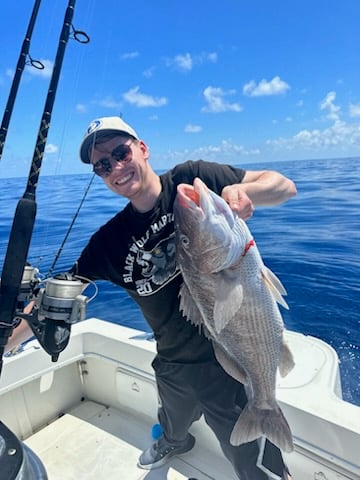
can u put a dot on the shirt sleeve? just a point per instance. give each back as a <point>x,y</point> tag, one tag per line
<point>216,176</point>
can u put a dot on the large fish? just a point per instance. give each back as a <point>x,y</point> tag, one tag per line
<point>233,296</point>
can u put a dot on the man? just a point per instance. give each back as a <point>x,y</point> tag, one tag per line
<point>136,250</point>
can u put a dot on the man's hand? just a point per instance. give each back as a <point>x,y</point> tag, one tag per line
<point>238,201</point>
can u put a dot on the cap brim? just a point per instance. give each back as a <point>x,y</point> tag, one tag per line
<point>89,140</point>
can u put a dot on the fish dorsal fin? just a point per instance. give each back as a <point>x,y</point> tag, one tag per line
<point>275,286</point>
<point>228,300</point>
<point>188,307</point>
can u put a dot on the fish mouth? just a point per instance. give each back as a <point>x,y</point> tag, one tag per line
<point>208,216</point>
<point>191,198</point>
<point>204,202</point>
<point>187,195</point>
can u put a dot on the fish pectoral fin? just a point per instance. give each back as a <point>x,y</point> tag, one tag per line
<point>275,286</point>
<point>188,307</point>
<point>229,365</point>
<point>286,363</point>
<point>228,300</point>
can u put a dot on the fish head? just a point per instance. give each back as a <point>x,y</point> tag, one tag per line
<point>204,228</point>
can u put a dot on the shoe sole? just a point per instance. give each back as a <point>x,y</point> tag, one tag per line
<point>167,458</point>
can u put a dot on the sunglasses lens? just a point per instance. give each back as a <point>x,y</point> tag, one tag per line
<point>102,167</point>
<point>121,153</point>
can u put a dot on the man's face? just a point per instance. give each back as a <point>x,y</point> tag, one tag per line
<point>122,164</point>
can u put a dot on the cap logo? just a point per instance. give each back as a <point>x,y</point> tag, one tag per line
<point>93,126</point>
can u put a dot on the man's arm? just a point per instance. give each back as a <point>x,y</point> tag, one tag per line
<point>21,333</point>
<point>258,188</point>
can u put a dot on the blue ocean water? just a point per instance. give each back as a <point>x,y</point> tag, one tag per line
<point>312,243</point>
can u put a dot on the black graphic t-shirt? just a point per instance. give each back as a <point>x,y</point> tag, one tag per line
<point>137,252</point>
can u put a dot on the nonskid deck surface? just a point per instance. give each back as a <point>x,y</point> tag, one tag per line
<point>93,442</point>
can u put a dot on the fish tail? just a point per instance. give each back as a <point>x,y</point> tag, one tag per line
<point>254,423</point>
<point>247,427</point>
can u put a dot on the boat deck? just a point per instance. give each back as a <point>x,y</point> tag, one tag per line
<point>109,442</point>
<point>89,415</point>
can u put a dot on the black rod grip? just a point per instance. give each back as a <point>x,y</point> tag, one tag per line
<point>15,260</point>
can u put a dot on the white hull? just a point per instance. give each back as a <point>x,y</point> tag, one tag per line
<point>89,415</point>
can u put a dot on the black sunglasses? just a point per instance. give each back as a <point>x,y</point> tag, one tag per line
<point>122,153</point>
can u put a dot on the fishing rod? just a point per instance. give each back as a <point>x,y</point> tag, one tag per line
<point>18,73</point>
<point>52,335</point>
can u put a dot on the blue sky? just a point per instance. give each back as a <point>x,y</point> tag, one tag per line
<point>233,81</point>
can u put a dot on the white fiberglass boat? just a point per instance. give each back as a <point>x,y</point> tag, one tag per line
<point>89,415</point>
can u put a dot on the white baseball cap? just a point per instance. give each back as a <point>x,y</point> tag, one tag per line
<point>104,125</point>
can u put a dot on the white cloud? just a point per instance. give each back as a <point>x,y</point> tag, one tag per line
<point>110,102</point>
<point>80,107</point>
<point>129,55</point>
<point>215,99</point>
<point>276,86</point>
<point>186,62</point>
<point>339,135</point>
<point>9,72</point>
<point>189,128</point>
<point>224,152</point>
<point>141,100</point>
<point>183,62</point>
<point>354,110</point>
<point>51,148</point>
<point>328,105</point>
<point>225,149</point>
<point>212,57</point>
<point>148,73</point>
<point>45,72</point>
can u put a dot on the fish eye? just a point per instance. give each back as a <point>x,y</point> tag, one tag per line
<point>184,240</point>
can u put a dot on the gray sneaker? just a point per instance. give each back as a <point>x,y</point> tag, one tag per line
<point>161,451</point>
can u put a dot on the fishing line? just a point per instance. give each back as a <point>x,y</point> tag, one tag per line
<point>82,37</point>
<point>91,282</point>
<point>70,227</point>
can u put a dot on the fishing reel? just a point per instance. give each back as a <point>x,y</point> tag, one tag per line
<point>61,299</point>
<point>56,303</point>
